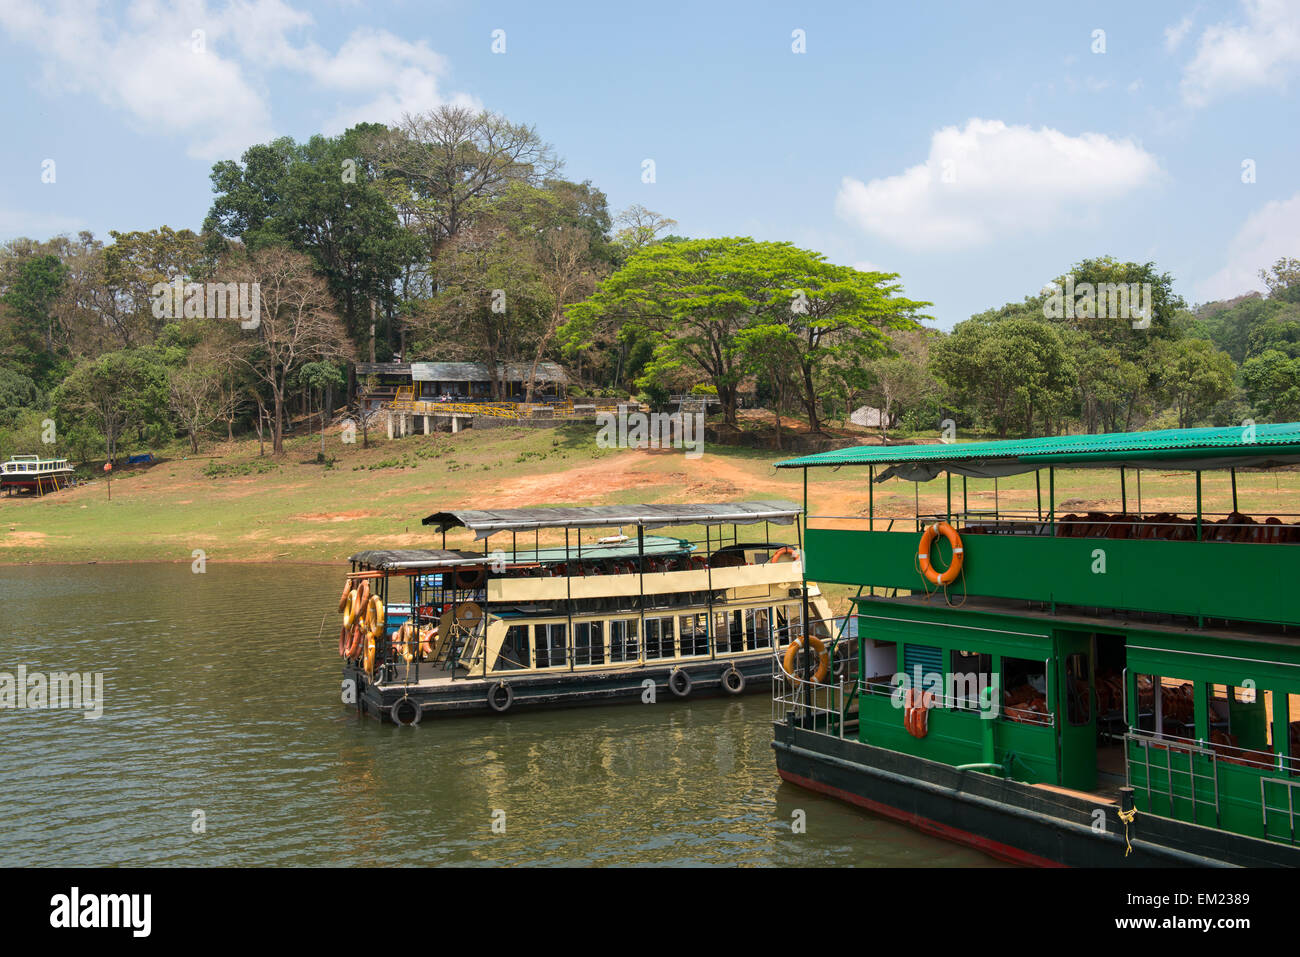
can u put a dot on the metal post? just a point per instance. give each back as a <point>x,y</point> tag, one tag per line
<point>947,515</point>
<point>1139,478</point>
<point>1198,505</point>
<point>1038,491</point>
<point>1123,493</point>
<point>1051,499</point>
<point>871,497</point>
<point>640,561</point>
<point>709,636</point>
<point>1233,472</point>
<point>995,499</point>
<point>568,601</point>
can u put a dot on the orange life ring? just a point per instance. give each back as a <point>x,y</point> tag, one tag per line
<point>369,662</point>
<point>948,576</point>
<point>784,550</point>
<point>347,593</point>
<point>354,646</point>
<point>823,659</point>
<point>343,642</point>
<point>427,635</point>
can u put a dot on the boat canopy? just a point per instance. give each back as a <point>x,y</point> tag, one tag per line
<point>415,558</point>
<point>1248,446</point>
<point>488,522</point>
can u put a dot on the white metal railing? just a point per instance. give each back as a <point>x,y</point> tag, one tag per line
<point>1171,745</point>
<point>809,700</point>
<point>1290,787</point>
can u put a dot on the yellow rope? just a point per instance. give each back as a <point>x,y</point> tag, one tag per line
<point>1127,817</point>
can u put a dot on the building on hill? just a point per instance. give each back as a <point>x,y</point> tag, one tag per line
<point>379,383</point>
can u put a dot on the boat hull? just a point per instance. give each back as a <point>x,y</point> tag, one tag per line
<point>569,689</point>
<point>1015,822</point>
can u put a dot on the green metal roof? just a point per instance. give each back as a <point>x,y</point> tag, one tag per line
<point>1259,445</point>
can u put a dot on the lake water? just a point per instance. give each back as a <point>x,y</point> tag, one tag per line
<point>221,696</point>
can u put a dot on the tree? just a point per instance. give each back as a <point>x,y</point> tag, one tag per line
<point>1194,377</point>
<point>194,395</point>
<point>1283,280</point>
<point>31,288</point>
<point>116,392</point>
<point>449,164</point>
<point>900,379</point>
<point>321,377</point>
<point>639,227</point>
<point>1010,373</point>
<point>1272,384</point>
<point>771,350</point>
<point>297,325</point>
<point>838,314</point>
<point>323,198</point>
<point>17,394</point>
<point>695,296</point>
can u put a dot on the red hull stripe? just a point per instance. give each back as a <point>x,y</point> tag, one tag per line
<point>1004,852</point>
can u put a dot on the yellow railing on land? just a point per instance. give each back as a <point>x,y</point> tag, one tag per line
<point>405,402</point>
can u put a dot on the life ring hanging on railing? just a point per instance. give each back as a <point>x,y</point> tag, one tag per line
<point>823,659</point>
<point>949,575</point>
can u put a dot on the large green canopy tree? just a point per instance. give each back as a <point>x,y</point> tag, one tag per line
<point>696,297</point>
<point>322,198</point>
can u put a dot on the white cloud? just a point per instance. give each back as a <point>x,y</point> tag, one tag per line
<point>1264,51</point>
<point>1174,35</point>
<point>990,179</point>
<point>145,65</point>
<point>1268,234</point>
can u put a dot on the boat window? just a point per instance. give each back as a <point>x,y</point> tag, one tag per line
<point>1166,706</point>
<point>758,625</point>
<point>551,645</point>
<point>589,643</point>
<point>1024,691</point>
<point>659,641</point>
<point>971,672</point>
<point>729,631</point>
<point>623,643</point>
<point>1078,689</point>
<point>514,649</point>
<point>694,633</point>
<point>1241,724</point>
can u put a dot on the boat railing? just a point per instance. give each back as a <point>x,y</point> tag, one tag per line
<point>1273,527</point>
<point>817,705</point>
<point>1290,787</point>
<point>1172,745</point>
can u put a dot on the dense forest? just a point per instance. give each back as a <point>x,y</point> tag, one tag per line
<point>455,236</point>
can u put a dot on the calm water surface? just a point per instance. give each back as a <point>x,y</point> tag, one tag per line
<point>222,695</point>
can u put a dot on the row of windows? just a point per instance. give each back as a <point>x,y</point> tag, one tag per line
<point>669,636</point>
<point>1242,720</point>
<point>969,675</point>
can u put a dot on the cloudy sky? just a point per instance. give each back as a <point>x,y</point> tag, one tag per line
<point>977,149</point>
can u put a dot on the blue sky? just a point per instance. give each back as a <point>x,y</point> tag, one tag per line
<point>977,149</point>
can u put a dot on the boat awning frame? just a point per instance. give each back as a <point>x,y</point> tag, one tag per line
<point>485,523</point>
<point>415,558</point>
<point>1254,446</point>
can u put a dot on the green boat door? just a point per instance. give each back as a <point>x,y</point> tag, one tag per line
<point>1076,719</point>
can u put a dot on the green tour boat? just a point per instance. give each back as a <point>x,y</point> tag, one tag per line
<point>1095,681</point>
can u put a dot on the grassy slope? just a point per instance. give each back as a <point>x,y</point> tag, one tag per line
<point>301,511</point>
